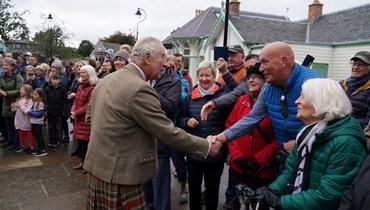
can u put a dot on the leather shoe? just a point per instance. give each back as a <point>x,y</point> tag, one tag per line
<point>7,144</point>
<point>78,166</point>
<point>13,146</point>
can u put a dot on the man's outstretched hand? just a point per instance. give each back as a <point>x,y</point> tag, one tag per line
<point>215,146</point>
<point>206,109</point>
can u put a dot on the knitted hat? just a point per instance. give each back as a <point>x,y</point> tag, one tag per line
<point>123,54</point>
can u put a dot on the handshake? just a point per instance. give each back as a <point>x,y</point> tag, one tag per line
<point>215,145</point>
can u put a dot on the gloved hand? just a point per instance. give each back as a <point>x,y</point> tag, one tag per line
<point>242,164</point>
<point>254,167</point>
<point>267,196</point>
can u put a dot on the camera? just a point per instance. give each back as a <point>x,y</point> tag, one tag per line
<point>30,74</point>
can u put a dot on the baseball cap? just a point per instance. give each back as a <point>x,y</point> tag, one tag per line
<point>28,54</point>
<point>362,55</point>
<point>235,49</point>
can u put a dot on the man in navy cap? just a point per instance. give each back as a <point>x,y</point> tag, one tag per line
<point>234,65</point>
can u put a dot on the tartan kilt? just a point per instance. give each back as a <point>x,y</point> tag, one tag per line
<point>108,196</point>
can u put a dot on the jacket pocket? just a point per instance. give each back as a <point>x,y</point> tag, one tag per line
<point>147,156</point>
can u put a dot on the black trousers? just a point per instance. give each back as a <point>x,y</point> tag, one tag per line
<point>37,134</point>
<point>3,130</point>
<point>211,171</point>
<point>252,182</point>
<point>84,145</point>
<point>55,129</point>
<point>65,127</point>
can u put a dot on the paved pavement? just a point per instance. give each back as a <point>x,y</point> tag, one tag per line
<point>37,183</point>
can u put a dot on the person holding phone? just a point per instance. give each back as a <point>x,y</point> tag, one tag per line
<point>234,64</point>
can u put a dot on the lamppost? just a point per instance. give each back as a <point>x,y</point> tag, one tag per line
<point>138,13</point>
<point>50,19</point>
<point>226,28</point>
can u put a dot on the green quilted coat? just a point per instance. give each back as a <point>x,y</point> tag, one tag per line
<point>336,158</point>
<point>11,84</point>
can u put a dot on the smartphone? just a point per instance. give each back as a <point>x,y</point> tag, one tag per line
<point>220,52</point>
<point>308,61</point>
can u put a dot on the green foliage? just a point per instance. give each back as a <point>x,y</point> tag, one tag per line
<point>12,25</point>
<point>85,48</point>
<point>52,41</point>
<point>120,38</point>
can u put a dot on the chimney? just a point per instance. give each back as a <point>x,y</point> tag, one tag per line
<point>314,10</point>
<point>198,12</point>
<point>234,6</point>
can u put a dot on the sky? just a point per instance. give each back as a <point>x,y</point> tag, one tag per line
<point>95,19</point>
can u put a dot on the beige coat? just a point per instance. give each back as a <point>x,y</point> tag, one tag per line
<point>126,120</point>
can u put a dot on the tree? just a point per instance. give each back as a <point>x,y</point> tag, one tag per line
<point>120,38</point>
<point>52,41</point>
<point>85,48</point>
<point>12,25</point>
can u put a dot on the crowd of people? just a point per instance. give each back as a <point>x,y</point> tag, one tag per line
<point>293,137</point>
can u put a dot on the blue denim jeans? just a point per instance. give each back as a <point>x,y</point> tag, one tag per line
<point>158,191</point>
<point>178,159</point>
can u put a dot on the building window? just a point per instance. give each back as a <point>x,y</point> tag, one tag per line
<point>322,68</point>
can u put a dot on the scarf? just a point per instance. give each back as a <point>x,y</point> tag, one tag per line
<point>353,83</point>
<point>305,140</point>
<point>204,92</point>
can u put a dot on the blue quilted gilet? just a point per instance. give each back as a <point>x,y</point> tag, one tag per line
<point>286,128</point>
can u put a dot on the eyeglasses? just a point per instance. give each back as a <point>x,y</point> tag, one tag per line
<point>358,64</point>
<point>284,106</point>
<point>253,77</point>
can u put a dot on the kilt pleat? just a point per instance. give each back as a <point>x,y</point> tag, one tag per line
<point>107,196</point>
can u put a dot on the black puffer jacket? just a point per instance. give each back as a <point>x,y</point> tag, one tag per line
<point>214,124</point>
<point>358,196</point>
<point>57,102</point>
<point>168,88</point>
<point>358,92</point>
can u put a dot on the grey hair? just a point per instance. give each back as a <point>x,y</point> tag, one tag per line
<point>207,64</point>
<point>80,61</point>
<point>327,97</point>
<point>58,65</point>
<point>30,67</point>
<point>92,74</point>
<point>10,61</point>
<point>144,45</point>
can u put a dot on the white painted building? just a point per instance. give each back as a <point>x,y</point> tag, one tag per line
<point>331,38</point>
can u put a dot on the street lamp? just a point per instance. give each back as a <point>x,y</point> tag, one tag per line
<point>138,13</point>
<point>50,19</point>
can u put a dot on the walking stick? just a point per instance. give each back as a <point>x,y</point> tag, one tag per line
<point>257,206</point>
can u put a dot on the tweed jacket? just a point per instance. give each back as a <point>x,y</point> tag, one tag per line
<point>126,121</point>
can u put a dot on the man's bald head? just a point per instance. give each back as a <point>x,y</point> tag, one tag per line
<point>277,62</point>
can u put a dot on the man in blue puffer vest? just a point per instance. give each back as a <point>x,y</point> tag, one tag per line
<point>284,79</point>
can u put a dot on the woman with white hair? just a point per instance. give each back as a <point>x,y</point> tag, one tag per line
<point>87,82</point>
<point>328,154</point>
<point>72,94</point>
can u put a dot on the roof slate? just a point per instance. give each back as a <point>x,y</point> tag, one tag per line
<point>347,25</point>
<point>255,28</point>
